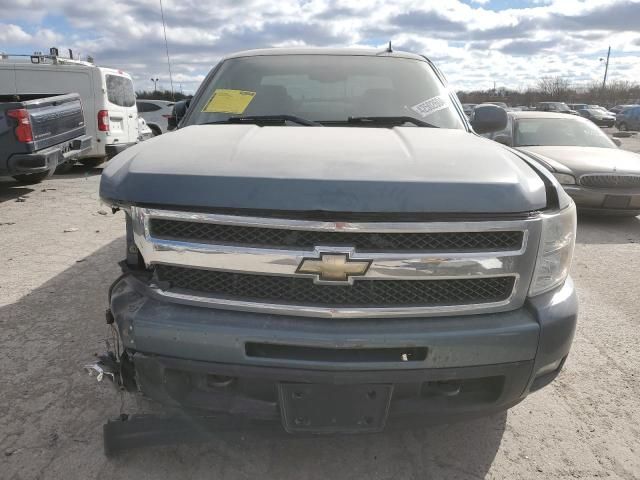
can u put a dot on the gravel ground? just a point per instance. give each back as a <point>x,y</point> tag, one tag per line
<point>60,249</point>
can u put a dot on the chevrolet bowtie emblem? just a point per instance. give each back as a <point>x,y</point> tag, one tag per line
<point>334,267</point>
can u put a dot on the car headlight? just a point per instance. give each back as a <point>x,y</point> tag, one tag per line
<point>564,178</point>
<point>556,250</point>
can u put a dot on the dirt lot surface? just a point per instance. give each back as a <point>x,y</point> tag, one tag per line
<point>58,256</point>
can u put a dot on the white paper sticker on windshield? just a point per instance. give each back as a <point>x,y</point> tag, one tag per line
<point>428,107</point>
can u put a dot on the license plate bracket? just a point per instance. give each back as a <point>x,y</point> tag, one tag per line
<point>326,408</point>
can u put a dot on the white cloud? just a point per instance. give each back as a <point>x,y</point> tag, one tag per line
<point>13,35</point>
<point>472,44</point>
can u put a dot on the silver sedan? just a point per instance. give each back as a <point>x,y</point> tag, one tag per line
<point>599,176</point>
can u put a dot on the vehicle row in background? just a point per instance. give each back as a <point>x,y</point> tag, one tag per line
<point>107,95</point>
<point>600,177</point>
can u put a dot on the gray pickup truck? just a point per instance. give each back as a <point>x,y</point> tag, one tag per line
<point>325,243</point>
<point>38,134</point>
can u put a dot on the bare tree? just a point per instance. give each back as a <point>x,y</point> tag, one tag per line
<point>554,88</point>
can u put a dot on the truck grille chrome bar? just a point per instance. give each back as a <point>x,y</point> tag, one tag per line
<point>409,269</point>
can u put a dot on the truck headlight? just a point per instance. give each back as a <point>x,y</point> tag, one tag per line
<point>555,250</point>
<point>565,179</point>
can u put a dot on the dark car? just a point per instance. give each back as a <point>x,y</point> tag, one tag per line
<point>628,118</point>
<point>558,107</point>
<point>597,116</point>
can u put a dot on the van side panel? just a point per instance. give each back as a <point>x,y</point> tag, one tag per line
<point>61,79</point>
<point>7,80</point>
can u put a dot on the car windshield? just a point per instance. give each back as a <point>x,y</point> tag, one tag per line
<point>328,89</point>
<point>559,132</point>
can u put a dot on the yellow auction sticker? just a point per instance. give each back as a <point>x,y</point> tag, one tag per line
<point>229,101</point>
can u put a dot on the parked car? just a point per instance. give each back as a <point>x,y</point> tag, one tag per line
<point>331,259</point>
<point>497,104</point>
<point>144,132</point>
<point>107,95</point>
<point>558,107</point>
<point>39,134</point>
<point>599,117</point>
<point>155,114</point>
<point>577,106</point>
<point>628,118</point>
<point>618,108</point>
<point>600,177</point>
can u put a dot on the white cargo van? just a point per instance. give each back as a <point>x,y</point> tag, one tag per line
<point>108,97</point>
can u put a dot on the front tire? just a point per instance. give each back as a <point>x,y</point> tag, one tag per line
<point>31,178</point>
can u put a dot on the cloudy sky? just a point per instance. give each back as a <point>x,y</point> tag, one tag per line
<point>475,42</point>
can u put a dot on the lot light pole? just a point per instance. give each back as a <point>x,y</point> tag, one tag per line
<point>606,68</point>
<point>155,84</point>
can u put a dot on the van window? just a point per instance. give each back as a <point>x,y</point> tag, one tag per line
<point>120,91</point>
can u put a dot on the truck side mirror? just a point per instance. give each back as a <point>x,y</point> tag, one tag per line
<point>179,111</point>
<point>489,118</point>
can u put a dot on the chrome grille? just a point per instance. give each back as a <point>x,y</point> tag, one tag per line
<point>610,181</point>
<point>374,293</point>
<point>187,231</point>
<point>413,268</point>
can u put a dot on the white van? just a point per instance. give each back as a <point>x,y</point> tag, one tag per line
<point>108,97</point>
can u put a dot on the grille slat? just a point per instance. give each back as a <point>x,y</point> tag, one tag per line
<point>610,181</point>
<point>365,293</point>
<point>262,237</point>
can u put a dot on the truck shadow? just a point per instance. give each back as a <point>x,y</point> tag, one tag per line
<point>53,421</point>
<point>79,171</point>
<point>608,230</point>
<point>11,190</point>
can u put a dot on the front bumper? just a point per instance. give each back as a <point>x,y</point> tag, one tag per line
<point>49,158</point>
<point>604,201</point>
<point>232,362</point>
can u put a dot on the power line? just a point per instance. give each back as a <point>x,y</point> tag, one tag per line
<point>166,46</point>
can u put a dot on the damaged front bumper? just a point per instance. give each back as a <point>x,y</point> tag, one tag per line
<point>323,375</point>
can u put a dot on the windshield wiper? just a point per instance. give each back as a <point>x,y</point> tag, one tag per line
<point>260,119</point>
<point>399,120</point>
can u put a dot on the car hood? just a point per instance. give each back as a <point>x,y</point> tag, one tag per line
<point>581,160</point>
<point>334,169</point>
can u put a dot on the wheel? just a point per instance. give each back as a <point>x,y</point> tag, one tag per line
<point>622,127</point>
<point>156,131</point>
<point>31,178</point>
<point>92,162</point>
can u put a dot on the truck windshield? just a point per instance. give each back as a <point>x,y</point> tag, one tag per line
<point>329,89</point>
<point>559,132</point>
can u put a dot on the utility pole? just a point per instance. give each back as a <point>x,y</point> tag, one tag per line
<point>166,46</point>
<point>606,69</point>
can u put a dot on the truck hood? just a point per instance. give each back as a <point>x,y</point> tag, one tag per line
<point>581,160</point>
<point>333,169</point>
